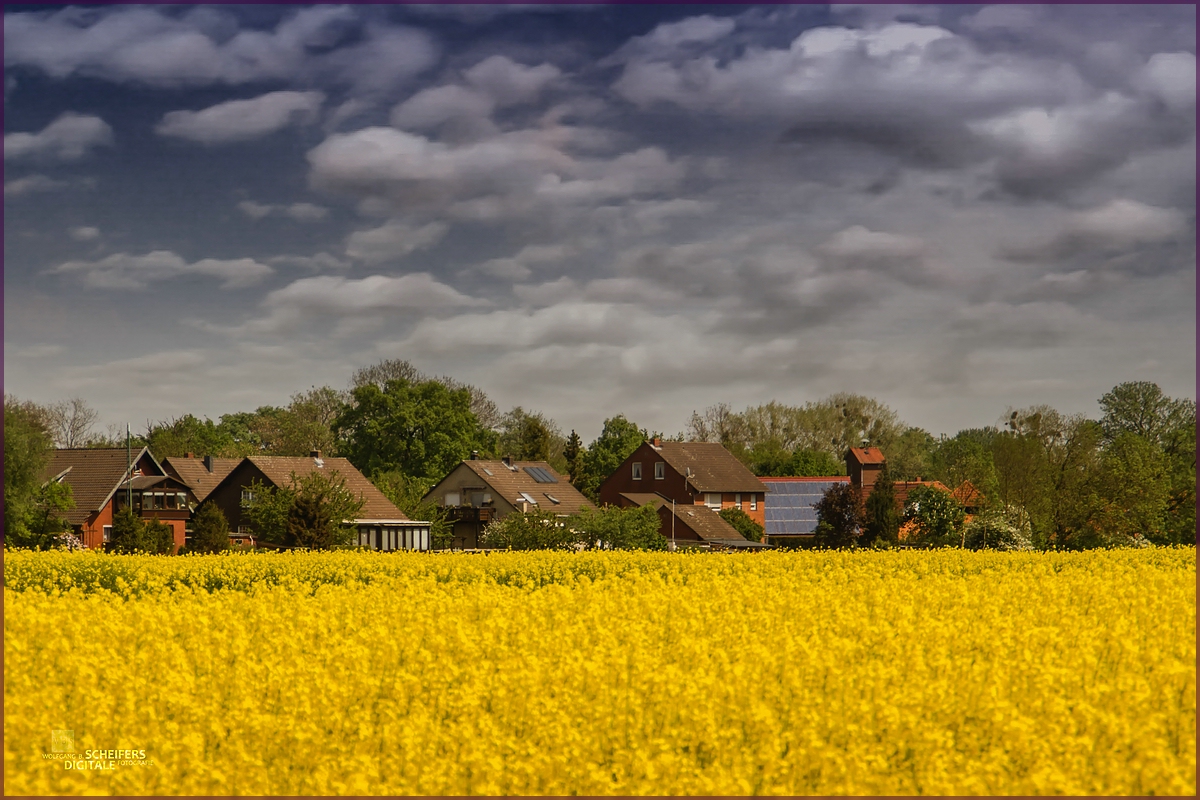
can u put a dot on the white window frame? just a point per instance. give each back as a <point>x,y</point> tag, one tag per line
<point>754,502</point>
<point>737,500</point>
<point>248,496</point>
<point>457,498</point>
<point>660,470</point>
<point>106,533</point>
<point>637,470</point>
<point>708,501</point>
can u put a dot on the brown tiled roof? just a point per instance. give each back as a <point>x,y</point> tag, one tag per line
<point>967,495</point>
<point>376,506</point>
<point>643,498</point>
<point>714,469</point>
<point>193,472</point>
<point>510,484</point>
<point>93,475</point>
<point>867,455</point>
<point>707,524</point>
<point>902,488</point>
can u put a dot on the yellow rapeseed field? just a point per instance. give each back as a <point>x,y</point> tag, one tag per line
<point>943,672</point>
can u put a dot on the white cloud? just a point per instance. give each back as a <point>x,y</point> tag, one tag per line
<point>430,108</point>
<point>301,212</point>
<point>141,44</point>
<point>242,120</point>
<point>508,83</point>
<point>125,271</point>
<point>84,233</point>
<point>30,184</point>
<point>321,262</point>
<point>355,303</point>
<point>67,138</point>
<point>393,241</point>
<point>1172,77</point>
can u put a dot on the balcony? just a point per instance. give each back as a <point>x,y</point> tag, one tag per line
<point>482,514</point>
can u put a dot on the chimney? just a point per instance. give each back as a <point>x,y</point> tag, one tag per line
<point>189,455</point>
<point>474,455</point>
<point>208,463</point>
<point>507,461</point>
<point>314,453</point>
<point>657,441</point>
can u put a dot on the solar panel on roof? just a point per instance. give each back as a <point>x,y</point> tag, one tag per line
<point>789,506</point>
<point>540,475</point>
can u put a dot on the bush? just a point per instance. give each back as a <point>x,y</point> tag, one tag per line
<point>532,530</point>
<point>613,528</point>
<point>742,522</point>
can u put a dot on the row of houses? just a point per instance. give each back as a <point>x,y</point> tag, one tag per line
<point>685,482</point>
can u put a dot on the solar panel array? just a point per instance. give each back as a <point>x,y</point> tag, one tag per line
<point>540,475</point>
<point>789,505</point>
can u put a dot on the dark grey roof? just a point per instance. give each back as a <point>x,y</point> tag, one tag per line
<point>789,504</point>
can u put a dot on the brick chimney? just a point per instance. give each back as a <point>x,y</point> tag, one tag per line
<point>657,442</point>
<point>507,461</point>
<point>314,453</point>
<point>189,455</point>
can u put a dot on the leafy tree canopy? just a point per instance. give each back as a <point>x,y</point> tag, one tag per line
<point>839,516</point>
<point>743,523</point>
<point>937,516</point>
<point>308,512</point>
<point>420,429</point>
<point>616,442</point>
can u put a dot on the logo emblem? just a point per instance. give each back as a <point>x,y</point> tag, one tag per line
<point>63,741</point>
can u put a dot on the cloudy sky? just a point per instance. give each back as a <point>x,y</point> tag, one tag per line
<point>594,210</point>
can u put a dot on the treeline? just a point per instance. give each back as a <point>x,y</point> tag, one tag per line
<point>1061,480</point>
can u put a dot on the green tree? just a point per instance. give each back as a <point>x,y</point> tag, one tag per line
<point>743,523</point>
<point>839,516</point>
<point>966,457</point>
<point>131,535</point>
<point>28,448</point>
<point>532,530</point>
<point>881,519</point>
<point>419,429</point>
<point>408,495</point>
<point>482,407</point>
<point>815,464</point>
<point>613,528</point>
<point>938,517</point>
<point>45,525</point>
<point>210,530</point>
<point>1133,492</point>
<point>532,436</point>
<point>188,434</point>
<point>571,454</point>
<point>910,453</point>
<point>308,512</point>
<point>616,442</point>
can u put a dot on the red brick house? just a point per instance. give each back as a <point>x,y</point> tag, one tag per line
<point>692,474</point>
<point>102,483</point>
<point>380,525</point>
<point>478,491</point>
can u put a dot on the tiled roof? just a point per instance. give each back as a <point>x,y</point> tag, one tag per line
<point>867,455</point>
<point>967,495</point>
<point>713,468</point>
<point>902,488</point>
<point>509,485</point>
<point>376,506</point>
<point>707,524</point>
<point>195,474</point>
<point>94,474</point>
<point>643,498</point>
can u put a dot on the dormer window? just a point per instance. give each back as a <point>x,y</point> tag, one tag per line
<point>637,470</point>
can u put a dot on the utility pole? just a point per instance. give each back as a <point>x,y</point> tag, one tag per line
<point>128,469</point>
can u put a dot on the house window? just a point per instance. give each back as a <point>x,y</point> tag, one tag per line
<point>453,498</point>
<point>754,502</point>
<point>108,533</point>
<point>737,501</point>
<point>170,500</point>
<point>248,497</point>
<point>660,470</point>
<point>182,500</point>
<point>529,498</point>
<point>713,501</point>
<point>637,470</point>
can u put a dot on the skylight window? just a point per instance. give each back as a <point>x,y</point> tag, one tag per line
<point>528,498</point>
<point>553,499</point>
